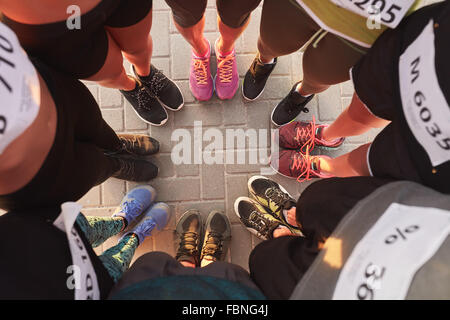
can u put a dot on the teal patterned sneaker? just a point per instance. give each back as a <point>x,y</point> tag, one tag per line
<point>135,202</point>
<point>155,217</point>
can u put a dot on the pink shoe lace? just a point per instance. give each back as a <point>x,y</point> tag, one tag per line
<point>303,162</point>
<point>307,134</point>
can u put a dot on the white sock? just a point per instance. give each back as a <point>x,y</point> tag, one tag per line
<point>270,62</point>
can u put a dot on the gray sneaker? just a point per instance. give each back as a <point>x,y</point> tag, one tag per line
<point>217,236</point>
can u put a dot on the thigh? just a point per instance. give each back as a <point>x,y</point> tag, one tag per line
<point>234,13</point>
<point>132,38</point>
<point>187,13</point>
<point>284,27</point>
<point>330,62</point>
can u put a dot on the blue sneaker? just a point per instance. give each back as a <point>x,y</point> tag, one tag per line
<point>155,217</point>
<point>135,202</point>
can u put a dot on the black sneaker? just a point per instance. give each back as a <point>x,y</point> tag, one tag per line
<point>138,144</point>
<point>146,107</point>
<point>189,229</point>
<point>137,170</point>
<point>162,88</point>
<point>255,79</point>
<point>290,107</point>
<point>273,197</point>
<point>255,218</point>
<point>217,235</point>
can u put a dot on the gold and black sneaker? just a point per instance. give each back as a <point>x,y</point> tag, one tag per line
<point>273,197</point>
<point>189,230</point>
<point>255,218</point>
<point>217,236</point>
<point>138,144</point>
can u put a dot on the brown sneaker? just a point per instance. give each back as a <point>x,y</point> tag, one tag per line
<point>138,144</point>
<point>189,229</point>
<point>217,236</point>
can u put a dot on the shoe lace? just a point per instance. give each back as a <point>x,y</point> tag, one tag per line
<point>201,71</point>
<point>143,98</point>
<point>188,244</point>
<point>277,196</point>
<point>306,136</point>
<point>157,83</point>
<point>303,163</point>
<point>262,225</point>
<point>132,207</point>
<point>213,245</point>
<point>225,68</point>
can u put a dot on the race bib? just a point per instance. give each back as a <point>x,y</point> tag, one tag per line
<point>82,271</point>
<point>388,12</point>
<point>19,89</point>
<point>384,262</point>
<point>424,105</point>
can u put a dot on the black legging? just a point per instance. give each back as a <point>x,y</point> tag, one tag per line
<point>76,161</point>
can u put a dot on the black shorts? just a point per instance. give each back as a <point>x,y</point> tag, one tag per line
<point>233,13</point>
<point>76,161</point>
<point>388,156</point>
<point>79,53</point>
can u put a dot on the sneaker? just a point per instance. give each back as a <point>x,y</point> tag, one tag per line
<point>227,76</point>
<point>200,80</point>
<point>297,135</point>
<point>189,230</point>
<point>255,218</point>
<point>294,164</point>
<point>156,217</point>
<point>273,197</point>
<point>255,79</point>
<point>217,236</point>
<point>135,202</point>
<point>137,144</point>
<point>137,170</point>
<point>146,107</point>
<point>290,107</point>
<point>162,88</point>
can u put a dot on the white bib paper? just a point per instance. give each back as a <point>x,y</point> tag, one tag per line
<point>424,104</point>
<point>384,262</point>
<point>19,89</point>
<point>390,12</point>
<point>86,285</point>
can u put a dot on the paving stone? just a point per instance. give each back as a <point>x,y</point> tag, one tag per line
<point>110,98</point>
<point>92,198</point>
<point>132,120</point>
<point>165,242</point>
<point>329,104</point>
<point>213,182</point>
<point>205,207</point>
<point>236,186</point>
<point>160,33</point>
<point>179,189</point>
<point>165,165</point>
<point>347,88</point>
<point>240,249</point>
<point>113,190</point>
<point>210,114</point>
<point>114,117</point>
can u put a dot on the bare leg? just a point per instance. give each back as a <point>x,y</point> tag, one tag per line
<point>112,74</point>
<point>353,121</point>
<point>348,165</point>
<point>194,35</point>
<point>136,44</point>
<point>228,36</point>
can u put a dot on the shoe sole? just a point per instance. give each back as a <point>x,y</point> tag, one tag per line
<point>251,230</point>
<point>151,123</point>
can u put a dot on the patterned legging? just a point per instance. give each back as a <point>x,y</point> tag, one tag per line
<point>97,230</point>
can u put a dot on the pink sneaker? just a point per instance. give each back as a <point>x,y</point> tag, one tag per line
<point>227,77</point>
<point>200,79</point>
